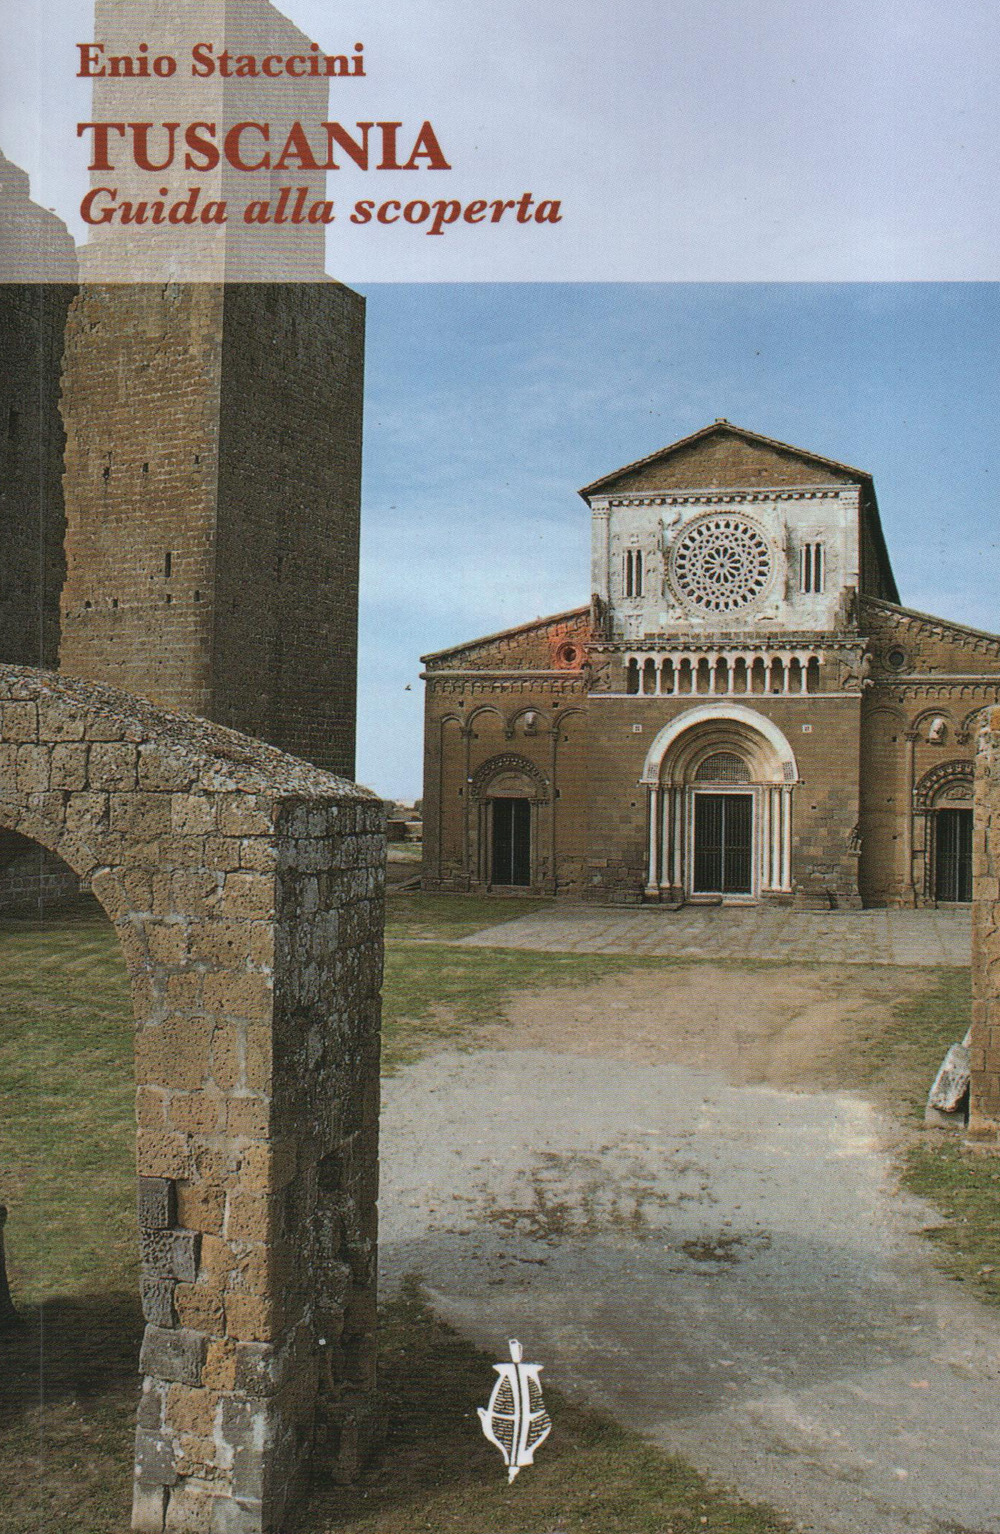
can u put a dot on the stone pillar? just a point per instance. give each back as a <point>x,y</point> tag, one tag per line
<point>786,838</point>
<point>652,874</point>
<point>775,838</point>
<point>666,828</point>
<point>678,848</point>
<point>467,810</point>
<point>765,839</point>
<point>909,887</point>
<point>984,1103</point>
<point>600,555</point>
<point>246,891</point>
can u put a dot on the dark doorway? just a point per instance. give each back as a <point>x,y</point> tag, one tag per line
<point>511,841</point>
<point>953,855</point>
<point>723,827</point>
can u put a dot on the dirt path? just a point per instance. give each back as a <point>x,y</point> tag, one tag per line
<point>718,1259</point>
<point>793,1026</point>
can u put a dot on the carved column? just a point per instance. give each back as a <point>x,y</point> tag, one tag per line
<point>786,838</point>
<point>909,888</point>
<point>466,801</point>
<point>652,873</point>
<point>553,876</point>
<point>677,873</point>
<point>766,877</point>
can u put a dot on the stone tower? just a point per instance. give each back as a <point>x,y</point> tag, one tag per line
<point>37,270</point>
<point>213,428</point>
<point>213,466</point>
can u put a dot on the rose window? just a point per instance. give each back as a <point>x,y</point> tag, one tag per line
<point>721,564</point>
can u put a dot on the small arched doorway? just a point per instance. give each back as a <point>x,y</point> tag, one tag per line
<point>509,791</point>
<point>944,798</point>
<point>720,783</point>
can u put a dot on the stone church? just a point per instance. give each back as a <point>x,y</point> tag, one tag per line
<point>743,712</point>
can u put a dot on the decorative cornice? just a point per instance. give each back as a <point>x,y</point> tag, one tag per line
<point>933,680</point>
<point>733,640</point>
<point>728,497</point>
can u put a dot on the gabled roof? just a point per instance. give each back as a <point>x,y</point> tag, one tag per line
<point>897,610</point>
<point>722,427</point>
<point>502,634</point>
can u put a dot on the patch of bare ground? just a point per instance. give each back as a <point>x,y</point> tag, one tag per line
<point>788,1026</point>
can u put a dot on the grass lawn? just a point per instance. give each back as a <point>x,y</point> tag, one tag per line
<point>66,1171</point>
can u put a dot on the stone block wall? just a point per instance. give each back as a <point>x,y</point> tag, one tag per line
<point>32,517</point>
<point>31,876</point>
<point>213,471</point>
<point>284,644</point>
<point>246,890</point>
<point>984,1104</point>
<point>930,684</point>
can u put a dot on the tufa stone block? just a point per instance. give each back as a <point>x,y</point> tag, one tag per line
<point>149,1507</point>
<point>157,1199</point>
<point>154,1458</point>
<point>158,1301</point>
<point>172,1355</point>
<point>170,1254</point>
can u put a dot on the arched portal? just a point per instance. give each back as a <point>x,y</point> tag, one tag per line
<point>944,796</point>
<point>508,791</point>
<point>720,780</point>
<point>245,888</point>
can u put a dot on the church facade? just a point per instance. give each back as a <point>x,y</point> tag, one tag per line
<point>743,712</point>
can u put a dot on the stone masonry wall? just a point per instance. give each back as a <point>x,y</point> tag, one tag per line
<point>140,402</point>
<point>31,876</point>
<point>245,888</point>
<point>984,1104</point>
<point>213,467</point>
<point>32,519</point>
<point>284,647</point>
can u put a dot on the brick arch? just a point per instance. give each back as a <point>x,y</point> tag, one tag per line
<point>244,886</point>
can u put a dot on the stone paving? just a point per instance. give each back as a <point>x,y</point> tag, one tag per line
<point>930,936</point>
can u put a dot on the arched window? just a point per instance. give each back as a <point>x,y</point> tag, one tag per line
<point>638,573</point>
<point>722,767</point>
<point>812,568</point>
<point>628,573</point>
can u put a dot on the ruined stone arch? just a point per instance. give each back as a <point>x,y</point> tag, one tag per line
<point>242,884</point>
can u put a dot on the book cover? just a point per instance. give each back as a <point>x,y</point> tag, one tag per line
<point>568,436</point>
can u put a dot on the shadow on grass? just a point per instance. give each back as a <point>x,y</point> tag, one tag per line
<point>69,1386</point>
<point>436,1471</point>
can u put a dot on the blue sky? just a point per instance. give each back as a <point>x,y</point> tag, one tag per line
<point>488,406</point>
